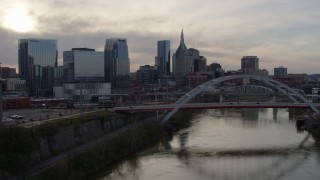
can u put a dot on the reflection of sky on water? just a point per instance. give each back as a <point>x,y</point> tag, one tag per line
<point>223,131</point>
<point>229,144</point>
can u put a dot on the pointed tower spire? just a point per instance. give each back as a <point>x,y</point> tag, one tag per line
<point>182,38</point>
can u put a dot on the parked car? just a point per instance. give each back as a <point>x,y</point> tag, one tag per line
<point>16,117</point>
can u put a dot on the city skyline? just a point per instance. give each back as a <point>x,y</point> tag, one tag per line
<point>280,33</point>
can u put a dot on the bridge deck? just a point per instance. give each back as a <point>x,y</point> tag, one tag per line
<point>225,105</point>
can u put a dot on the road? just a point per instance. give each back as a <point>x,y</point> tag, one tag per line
<point>34,117</point>
<point>222,105</point>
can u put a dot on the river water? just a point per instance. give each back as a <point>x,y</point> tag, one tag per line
<point>227,144</point>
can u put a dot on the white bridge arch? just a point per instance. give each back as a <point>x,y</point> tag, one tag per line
<point>291,93</point>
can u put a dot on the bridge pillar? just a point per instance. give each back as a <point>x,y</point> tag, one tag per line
<point>221,98</point>
<point>275,114</point>
<point>274,99</point>
<point>157,115</point>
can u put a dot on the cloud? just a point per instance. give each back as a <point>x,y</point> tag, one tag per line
<point>8,48</point>
<point>278,32</point>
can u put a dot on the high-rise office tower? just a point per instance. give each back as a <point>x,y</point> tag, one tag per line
<point>83,75</point>
<point>280,71</point>
<point>249,64</point>
<point>200,64</point>
<point>34,55</point>
<point>163,58</point>
<point>194,54</point>
<point>83,64</point>
<point>117,65</point>
<point>182,62</point>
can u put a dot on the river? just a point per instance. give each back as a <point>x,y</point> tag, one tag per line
<point>227,144</point>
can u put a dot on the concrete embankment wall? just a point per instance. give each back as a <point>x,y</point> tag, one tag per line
<point>105,150</point>
<point>79,148</point>
<point>51,140</point>
<point>74,135</point>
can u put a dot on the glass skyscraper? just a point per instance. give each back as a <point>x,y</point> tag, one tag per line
<point>163,58</point>
<point>117,64</point>
<point>83,63</point>
<point>34,55</point>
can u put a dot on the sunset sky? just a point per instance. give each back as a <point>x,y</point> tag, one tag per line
<point>280,32</point>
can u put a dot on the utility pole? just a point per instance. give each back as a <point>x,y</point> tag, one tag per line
<point>81,97</point>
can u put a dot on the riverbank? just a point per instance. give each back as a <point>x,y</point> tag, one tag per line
<point>25,149</point>
<point>74,149</point>
<point>136,137</point>
<point>120,144</point>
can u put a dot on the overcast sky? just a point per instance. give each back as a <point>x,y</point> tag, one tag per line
<point>280,32</point>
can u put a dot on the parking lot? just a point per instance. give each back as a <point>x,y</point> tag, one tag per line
<point>15,117</point>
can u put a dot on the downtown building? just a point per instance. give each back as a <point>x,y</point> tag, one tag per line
<point>83,70</point>
<point>38,59</point>
<point>250,66</point>
<point>280,72</point>
<point>163,64</point>
<point>83,64</point>
<point>197,65</point>
<point>117,65</point>
<point>7,72</point>
<point>182,63</point>
<point>163,58</point>
<point>215,70</point>
<point>194,54</point>
<point>200,64</point>
<point>188,63</point>
<point>147,77</point>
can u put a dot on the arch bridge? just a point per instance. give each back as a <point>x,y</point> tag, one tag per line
<point>284,89</point>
